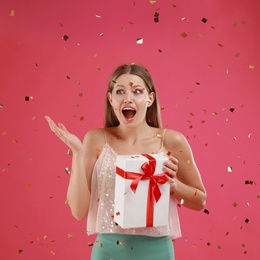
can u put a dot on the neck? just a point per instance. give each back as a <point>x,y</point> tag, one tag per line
<point>134,134</point>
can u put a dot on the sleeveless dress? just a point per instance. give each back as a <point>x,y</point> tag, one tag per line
<point>112,241</point>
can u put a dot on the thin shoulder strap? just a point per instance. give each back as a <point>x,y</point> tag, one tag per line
<point>163,138</point>
<point>105,135</point>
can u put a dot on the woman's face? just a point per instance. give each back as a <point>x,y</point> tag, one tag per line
<point>130,99</point>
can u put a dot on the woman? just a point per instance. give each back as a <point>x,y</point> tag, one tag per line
<point>132,126</point>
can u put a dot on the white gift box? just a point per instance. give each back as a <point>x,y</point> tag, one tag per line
<point>139,208</point>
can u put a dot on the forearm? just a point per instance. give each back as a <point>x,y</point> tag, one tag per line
<point>190,197</point>
<point>78,194</point>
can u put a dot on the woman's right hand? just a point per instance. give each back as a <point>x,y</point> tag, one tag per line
<point>72,141</point>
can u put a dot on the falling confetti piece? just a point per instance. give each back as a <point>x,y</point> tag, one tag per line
<point>28,98</point>
<point>204,20</point>
<point>98,16</point>
<point>174,5</point>
<point>1,105</point>
<point>12,13</point>
<point>65,37</point>
<point>220,45</point>
<point>20,251</point>
<point>101,34</point>
<point>184,35</point>
<point>206,211</point>
<point>152,2</point>
<point>139,41</point>
<point>158,136</point>
<point>237,55</point>
<point>197,84</point>
<point>45,237</point>
<point>81,94</point>
<point>52,252</point>
<point>232,109</point>
<point>249,182</point>
<point>81,118</point>
<point>156,17</point>
<point>251,66</point>
<point>229,168</point>
<point>69,152</point>
<point>70,236</point>
<point>234,204</point>
<point>118,213</point>
<point>182,201</point>
<point>67,170</point>
<point>247,220</point>
<point>4,133</point>
<point>90,243</point>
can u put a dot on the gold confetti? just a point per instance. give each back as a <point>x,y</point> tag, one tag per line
<point>20,251</point>
<point>131,84</point>
<point>65,37</point>
<point>234,204</point>
<point>27,98</point>
<point>52,252</point>
<point>229,168</point>
<point>70,236</point>
<point>184,35</point>
<point>118,213</point>
<point>12,13</point>
<point>69,152</point>
<point>1,105</point>
<point>182,201</point>
<point>251,66</point>
<point>204,20</point>
<point>45,237</point>
<point>67,170</point>
<point>4,133</point>
<point>139,41</point>
<point>152,2</point>
<point>237,55</point>
<point>158,136</point>
<point>90,243</point>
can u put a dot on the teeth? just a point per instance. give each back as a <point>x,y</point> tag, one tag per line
<point>128,108</point>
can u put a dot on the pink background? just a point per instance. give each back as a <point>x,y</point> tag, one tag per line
<point>199,79</point>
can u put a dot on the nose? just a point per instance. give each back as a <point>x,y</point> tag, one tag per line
<point>128,97</point>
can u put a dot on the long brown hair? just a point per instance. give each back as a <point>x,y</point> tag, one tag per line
<point>153,115</point>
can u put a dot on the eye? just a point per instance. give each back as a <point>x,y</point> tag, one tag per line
<point>138,90</point>
<point>119,91</point>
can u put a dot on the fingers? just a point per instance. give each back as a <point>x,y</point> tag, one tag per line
<point>171,166</point>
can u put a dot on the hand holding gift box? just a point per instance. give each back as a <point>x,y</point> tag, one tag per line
<point>142,191</point>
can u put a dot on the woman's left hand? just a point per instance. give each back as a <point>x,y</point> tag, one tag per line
<point>171,167</point>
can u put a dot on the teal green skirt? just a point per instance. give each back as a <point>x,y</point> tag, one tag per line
<point>132,247</point>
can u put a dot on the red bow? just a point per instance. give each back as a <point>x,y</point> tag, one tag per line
<point>154,192</point>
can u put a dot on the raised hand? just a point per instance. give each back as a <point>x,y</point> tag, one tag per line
<point>72,141</point>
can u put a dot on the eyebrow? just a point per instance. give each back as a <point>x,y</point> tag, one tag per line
<point>132,86</point>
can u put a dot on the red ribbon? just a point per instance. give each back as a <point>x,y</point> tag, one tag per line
<point>154,192</point>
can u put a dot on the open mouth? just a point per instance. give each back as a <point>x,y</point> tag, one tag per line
<point>129,112</point>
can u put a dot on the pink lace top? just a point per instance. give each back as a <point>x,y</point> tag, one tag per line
<point>101,210</point>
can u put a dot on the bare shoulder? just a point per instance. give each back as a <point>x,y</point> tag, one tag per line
<point>174,138</point>
<point>94,138</point>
